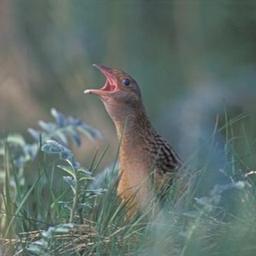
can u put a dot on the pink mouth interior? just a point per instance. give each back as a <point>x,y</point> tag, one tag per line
<point>109,86</point>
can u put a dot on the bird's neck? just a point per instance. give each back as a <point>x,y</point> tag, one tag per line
<point>133,129</point>
<point>132,125</point>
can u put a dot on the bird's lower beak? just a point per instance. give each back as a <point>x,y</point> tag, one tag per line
<point>110,84</point>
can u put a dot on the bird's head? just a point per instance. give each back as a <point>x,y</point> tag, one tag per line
<point>120,93</point>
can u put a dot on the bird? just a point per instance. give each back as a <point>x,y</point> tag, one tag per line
<point>147,163</point>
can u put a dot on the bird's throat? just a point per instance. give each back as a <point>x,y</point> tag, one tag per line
<point>133,127</point>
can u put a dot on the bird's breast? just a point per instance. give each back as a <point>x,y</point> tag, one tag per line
<point>134,184</point>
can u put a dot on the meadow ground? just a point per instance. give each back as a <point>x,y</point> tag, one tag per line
<point>51,205</point>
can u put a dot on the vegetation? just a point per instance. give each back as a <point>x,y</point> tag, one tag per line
<point>51,205</point>
<point>191,58</point>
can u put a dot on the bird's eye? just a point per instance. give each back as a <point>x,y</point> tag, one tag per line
<point>126,82</point>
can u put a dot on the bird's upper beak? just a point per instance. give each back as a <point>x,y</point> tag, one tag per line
<point>110,85</point>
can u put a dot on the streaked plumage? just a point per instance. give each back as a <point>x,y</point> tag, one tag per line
<point>147,162</point>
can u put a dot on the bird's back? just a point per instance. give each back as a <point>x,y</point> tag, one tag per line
<point>148,165</point>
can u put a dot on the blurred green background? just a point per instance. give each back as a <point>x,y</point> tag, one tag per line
<point>193,60</point>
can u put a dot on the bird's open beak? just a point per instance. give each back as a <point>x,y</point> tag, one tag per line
<point>110,85</point>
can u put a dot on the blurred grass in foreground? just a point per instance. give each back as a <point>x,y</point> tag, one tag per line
<point>50,205</point>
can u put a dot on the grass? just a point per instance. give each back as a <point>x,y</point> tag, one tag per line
<point>51,205</point>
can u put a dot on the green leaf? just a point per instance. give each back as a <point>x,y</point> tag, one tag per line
<point>68,169</point>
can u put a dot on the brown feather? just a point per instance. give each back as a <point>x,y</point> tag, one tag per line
<point>147,162</point>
